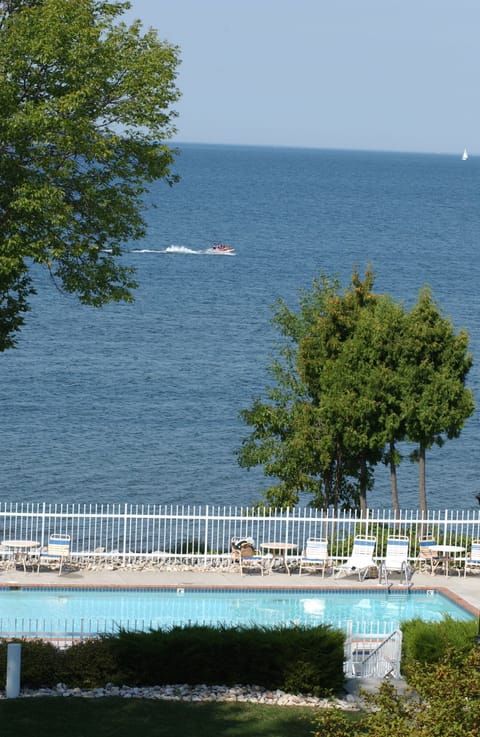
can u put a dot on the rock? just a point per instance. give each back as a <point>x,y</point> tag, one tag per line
<point>198,693</point>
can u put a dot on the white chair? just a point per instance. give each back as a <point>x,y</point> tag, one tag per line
<point>396,558</point>
<point>472,562</point>
<point>58,550</point>
<point>315,555</point>
<point>361,559</point>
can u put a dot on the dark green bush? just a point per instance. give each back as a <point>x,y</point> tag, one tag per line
<point>88,664</point>
<point>429,642</point>
<point>294,659</point>
<point>307,659</point>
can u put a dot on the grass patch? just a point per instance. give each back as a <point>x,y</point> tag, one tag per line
<point>118,717</point>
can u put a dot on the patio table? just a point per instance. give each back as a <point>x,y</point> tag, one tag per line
<point>279,553</point>
<point>21,550</point>
<point>447,551</point>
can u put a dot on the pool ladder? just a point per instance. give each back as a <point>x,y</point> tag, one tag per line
<point>405,573</point>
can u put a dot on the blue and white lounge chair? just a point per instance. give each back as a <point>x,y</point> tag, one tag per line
<point>57,552</point>
<point>472,562</point>
<point>396,558</point>
<point>315,555</point>
<point>361,559</point>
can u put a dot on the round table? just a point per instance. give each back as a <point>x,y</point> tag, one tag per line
<point>447,550</point>
<point>20,549</point>
<point>279,552</point>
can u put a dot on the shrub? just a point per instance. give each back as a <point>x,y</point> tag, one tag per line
<point>429,642</point>
<point>88,664</point>
<point>296,659</point>
<point>447,703</point>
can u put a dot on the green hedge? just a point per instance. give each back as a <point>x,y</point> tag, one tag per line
<point>430,642</point>
<point>294,659</point>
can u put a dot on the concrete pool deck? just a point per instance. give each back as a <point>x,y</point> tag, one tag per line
<point>465,590</point>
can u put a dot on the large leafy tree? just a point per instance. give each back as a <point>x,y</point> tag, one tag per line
<point>374,386</point>
<point>85,108</point>
<point>335,374</point>
<point>357,374</point>
<point>287,436</point>
<point>309,433</point>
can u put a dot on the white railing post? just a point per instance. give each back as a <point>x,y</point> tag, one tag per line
<point>124,552</point>
<point>14,667</point>
<point>205,543</point>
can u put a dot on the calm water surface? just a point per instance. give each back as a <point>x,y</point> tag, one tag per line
<point>140,403</point>
<point>141,609</point>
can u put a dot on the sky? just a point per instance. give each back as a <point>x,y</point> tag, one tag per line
<point>387,75</point>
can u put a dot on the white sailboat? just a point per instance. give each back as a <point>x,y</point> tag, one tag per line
<point>465,154</point>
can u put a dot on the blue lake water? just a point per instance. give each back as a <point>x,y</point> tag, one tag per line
<point>140,403</point>
<point>140,609</point>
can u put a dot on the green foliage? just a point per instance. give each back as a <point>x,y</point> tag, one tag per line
<point>355,375</point>
<point>299,659</point>
<point>435,363</point>
<point>299,435</point>
<point>296,659</point>
<point>445,700</point>
<point>85,105</point>
<point>332,723</point>
<point>87,664</point>
<point>430,642</point>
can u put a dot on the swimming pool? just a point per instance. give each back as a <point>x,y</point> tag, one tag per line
<point>72,612</point>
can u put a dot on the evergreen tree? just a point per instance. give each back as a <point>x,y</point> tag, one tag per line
<point>434,366</point>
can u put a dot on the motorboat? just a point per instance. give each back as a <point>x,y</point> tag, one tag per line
<point>222,248</point>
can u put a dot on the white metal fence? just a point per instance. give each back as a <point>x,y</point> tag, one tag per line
<point>201,535</point>
<point>362,638</point>
<point>373,657</point>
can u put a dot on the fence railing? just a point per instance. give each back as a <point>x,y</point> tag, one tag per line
<point>373,657</point>
<point>203,534</point>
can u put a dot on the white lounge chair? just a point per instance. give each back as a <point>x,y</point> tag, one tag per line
<point>396,558</point>
<point>472,562</point>
<point>58,550</point>
<point>315,555</point>
<point>361,559</point>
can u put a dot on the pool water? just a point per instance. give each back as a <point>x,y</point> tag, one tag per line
<point>68,610</point>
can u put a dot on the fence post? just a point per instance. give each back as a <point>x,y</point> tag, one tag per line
<point>205,554</point>
<point>124,553</point>
<point>14,658</point>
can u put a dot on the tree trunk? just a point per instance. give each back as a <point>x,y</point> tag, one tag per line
<point>363,488</point>
<point>327,490</point>
<point>393,480</point>
<point>338,477</point>
<point>422,487</point>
